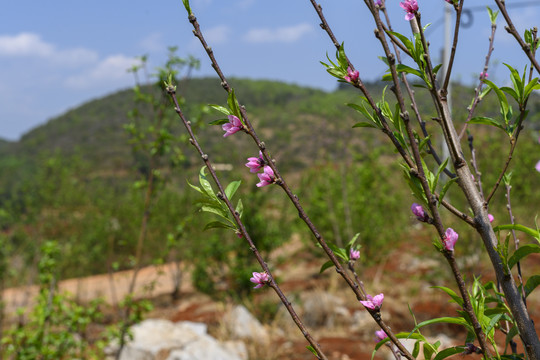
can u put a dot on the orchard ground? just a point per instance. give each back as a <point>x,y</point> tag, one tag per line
<point>338,322</point>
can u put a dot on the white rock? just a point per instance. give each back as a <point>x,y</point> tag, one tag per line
<point>155,339</point>
<point>242,325</point>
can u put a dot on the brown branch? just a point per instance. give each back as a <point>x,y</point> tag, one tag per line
<point>483,75</point>
<point>454,46</point>
<point>294,199</point>
<point>222,195</point>
<point>513,31</point>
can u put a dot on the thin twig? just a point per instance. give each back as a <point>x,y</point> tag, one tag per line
<point>222,195</point>
<point>454,46</point>
<point>516,242</point>
<point>513,31</point>
<point>483,75</point>
<point>513,142</point>
<point>294,199</point>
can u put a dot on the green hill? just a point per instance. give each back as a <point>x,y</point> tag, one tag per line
<point>72,178</point>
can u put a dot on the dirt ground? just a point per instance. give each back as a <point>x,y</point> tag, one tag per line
<point>405,278</point>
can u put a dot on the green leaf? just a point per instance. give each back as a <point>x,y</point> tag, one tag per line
<point>486,121</point>
<point>402,335</point>
<point>503,101</point>
<point>341,253</point>
<point>310,348</point>
<point>416,349</point>
<point>438,174</point>
<point>429,350</point>
<point>522,252</point>
<point>409,70</point>
<point>336,72</point>
<point>511,334</point>
<point>230,190</point>
<point>218,122</point>
<point>221,109</point>
<point>218,225</point>
<point>446,319</point>
<point>534,233</point>
<point>408,43</point>
<point>239,208</point>
<point>492,15</point>
<point>186,5</point>
<point>532,284</point>
<point>457,299</point>
<point>205,184</point>
<point>364,124</point>
<point>195,188</point>
<point>533,85</point>
<point>415,186</point>
<point>214,210</point>
<point>443,354</point>
<point>326,265</point>
<point>494,320</point>
<point>341,57</point>
<point>445,189</point>
<point>233,105</point>
<point>353,240</point>
<point>364,111</point>
<point>387,77</point>
<point>423,143</point>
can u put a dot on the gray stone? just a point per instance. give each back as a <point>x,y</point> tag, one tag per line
<point>158,339</point>
<point>242,325</point>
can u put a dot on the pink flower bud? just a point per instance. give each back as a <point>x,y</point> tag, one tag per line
<point>259,278</point>
<point>491,218</point>
<point>419,212</point>
<point>352,76</point>
<point>450,239</point>
<point>380,335</point>
<point>411,7</point>
<point>267,177</point>
<point>234,125</point>
<point>354,254</point>
<point>255,163</point>
<point>537,167</point>
<point>373,303</point>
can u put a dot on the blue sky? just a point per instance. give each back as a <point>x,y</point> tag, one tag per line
<point>56,55</point>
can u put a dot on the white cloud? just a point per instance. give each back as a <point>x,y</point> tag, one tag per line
<point>31,45</point>
<point>217,35</point>
<point>286,34</point>
<point>110,71</point>
<point>152,42</point>
<point>24,44</point>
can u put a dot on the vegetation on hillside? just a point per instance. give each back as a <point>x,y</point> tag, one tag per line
<point>71,179</point>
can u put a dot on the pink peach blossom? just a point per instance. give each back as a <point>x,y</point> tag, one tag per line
<point>450,239</point>
<point>267,177</point>
<point>259,278</point>
<point>411,7</point>
<point>234,125</point>
<point>380,335</point>
<point>373,303</point>
<point>354,254</point>
<point>352,76</point>
<point>255,163</point>
<point>419,212</point>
